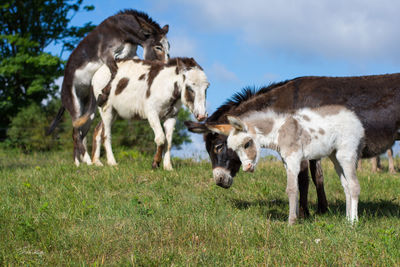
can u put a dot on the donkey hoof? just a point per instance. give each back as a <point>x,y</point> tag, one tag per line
<point>155,165</point>
<point>168,168</point>
<point>292,221</point>
<point>304,213</point>
<point>98,163</point>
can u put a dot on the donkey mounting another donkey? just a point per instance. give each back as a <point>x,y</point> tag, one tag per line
<point>115,38</point>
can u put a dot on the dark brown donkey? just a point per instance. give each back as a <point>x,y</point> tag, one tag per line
<point>115,38</point>
<point>374,99</point>
<point>226,163</point>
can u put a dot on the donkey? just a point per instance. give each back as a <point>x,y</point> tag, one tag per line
<point>115,38</point>
<point>292,133</point>
<point>373,99</point>
<point>226,163</point>
<point>153,91</point>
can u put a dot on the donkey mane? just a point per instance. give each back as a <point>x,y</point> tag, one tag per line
<point>140,14</point>
<point>240,97</point>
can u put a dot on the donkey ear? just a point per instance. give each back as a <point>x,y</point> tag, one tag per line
<point>196,127</point>
<point>223,129</point>
<point>237,123</point>
<point>165,29</point>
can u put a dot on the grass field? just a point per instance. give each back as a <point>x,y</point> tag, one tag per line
<point>52,213</point>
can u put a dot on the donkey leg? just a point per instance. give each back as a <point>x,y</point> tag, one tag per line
<point>318,179</point>
<point>83,130</point>
<point>73,104</point>
<point>86,158</point>
<point>347,161</point>
<point>343,180</point>
<point>359,165</point>
<point>292,171</point>
<point>75,138</point>
<point>159,137</point>
<point>303,188</point>
<point>157,157</point>
<point>169,126</point>
<point>98,135</point>
<point>391,162</point>
<point>108,117</point>
<point>374,164</point>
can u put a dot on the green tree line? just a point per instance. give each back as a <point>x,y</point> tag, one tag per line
<point>28,92</point>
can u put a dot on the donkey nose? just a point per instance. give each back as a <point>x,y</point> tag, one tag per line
<point>201,117</point>
<point>249,167</point>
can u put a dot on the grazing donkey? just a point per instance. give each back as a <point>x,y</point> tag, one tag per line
<point>153,91</point>
<point>115,38</point>
<point>374,99</point>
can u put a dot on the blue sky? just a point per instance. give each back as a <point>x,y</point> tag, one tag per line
<point>256,42</point>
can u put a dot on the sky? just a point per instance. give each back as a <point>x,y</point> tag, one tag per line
<point>257,42</point>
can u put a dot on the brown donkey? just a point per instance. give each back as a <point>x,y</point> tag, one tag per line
<point>374,99</point>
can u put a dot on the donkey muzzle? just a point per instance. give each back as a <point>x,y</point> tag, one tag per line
<point>201,117</point>
<point>249,167</point>
<point>222,177</point>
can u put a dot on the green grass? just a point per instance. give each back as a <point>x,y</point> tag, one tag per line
<point>52,213</point>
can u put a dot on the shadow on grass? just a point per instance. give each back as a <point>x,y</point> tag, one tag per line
<point>278,209</point>
<point>275,209</point>
<point>378,208</point>
<point>17,165</point>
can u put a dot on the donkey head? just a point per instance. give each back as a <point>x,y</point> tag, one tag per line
<point>195,86</point>
<point>225,162</point>
<point>244,143</point>
<point>156,45</point>
<point>241,140</point>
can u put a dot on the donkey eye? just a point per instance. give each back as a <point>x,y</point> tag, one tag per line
<point>159,48</point>
<point>218,148</point>
<point>248,144</point>
<point>190,90</point>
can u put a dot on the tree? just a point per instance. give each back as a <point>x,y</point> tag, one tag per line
<point>33,120</point>
<point>27,73</point>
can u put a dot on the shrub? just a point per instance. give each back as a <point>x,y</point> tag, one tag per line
<point>27,130</point>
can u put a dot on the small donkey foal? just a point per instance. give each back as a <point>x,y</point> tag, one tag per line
<point>304,134</point>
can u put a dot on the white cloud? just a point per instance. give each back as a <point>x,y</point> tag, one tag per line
<point>345,29</point>
<point>221,73</point>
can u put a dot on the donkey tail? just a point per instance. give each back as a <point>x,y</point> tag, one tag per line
<point>90,111</point>
<point>56,121</point>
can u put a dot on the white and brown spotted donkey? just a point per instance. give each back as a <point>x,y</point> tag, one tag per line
<point>151,91</point>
